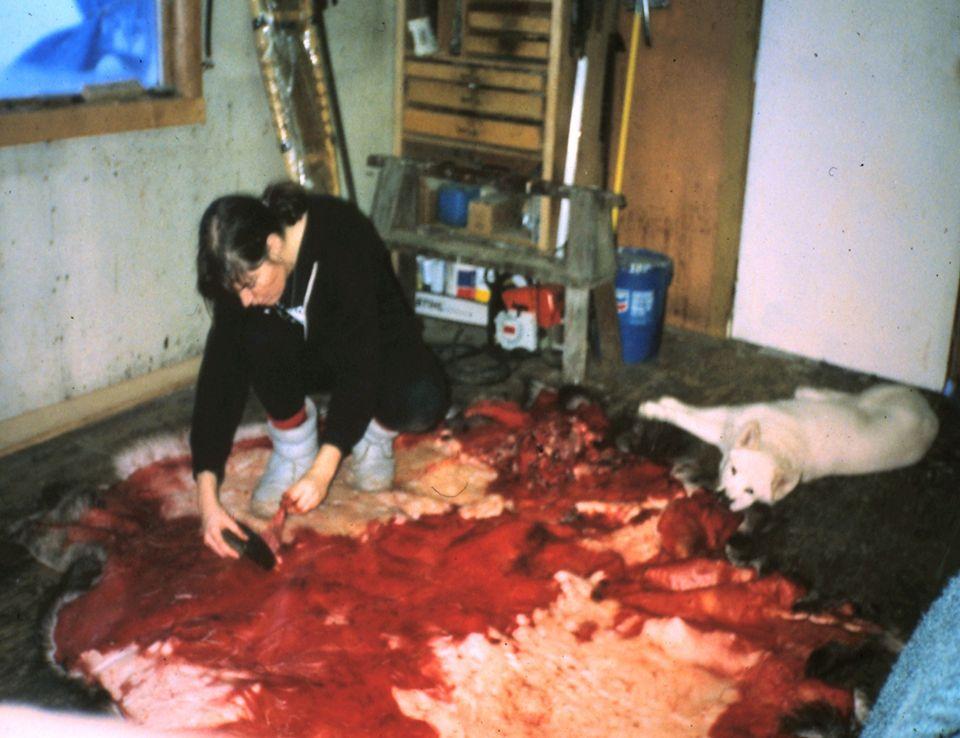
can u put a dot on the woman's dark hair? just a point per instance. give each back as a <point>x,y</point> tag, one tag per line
<point>287,200</point>
<point>233,234</point>
<point>233,241</point>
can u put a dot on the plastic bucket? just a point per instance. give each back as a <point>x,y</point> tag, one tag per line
<point>641,290</point>
<point>453,203</point>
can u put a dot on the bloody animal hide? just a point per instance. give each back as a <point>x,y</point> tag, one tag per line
<point>524,579</point>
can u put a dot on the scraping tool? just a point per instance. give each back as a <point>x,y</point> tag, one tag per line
<point>254,548</point>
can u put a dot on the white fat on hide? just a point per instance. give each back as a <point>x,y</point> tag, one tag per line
<point>433,477</point>
<point>544,681</point>
<point>621,512</point>
<point>160,690</point>
<point>637,543</point>
<point>26,721</point>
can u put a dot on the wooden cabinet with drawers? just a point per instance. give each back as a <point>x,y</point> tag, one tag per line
<point>497,90</point>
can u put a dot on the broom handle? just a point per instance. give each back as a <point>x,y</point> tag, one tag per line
<point>625,113</point>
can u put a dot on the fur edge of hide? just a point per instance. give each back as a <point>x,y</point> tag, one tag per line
<point>154,448</point>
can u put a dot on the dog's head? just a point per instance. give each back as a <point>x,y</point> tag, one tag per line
<point>750,473</point>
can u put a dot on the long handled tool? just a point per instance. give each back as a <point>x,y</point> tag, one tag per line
<point>625,113</point>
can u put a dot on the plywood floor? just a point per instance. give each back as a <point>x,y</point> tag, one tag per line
<point>886,542</point>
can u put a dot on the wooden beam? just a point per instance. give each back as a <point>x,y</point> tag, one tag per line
<point>576,346</point>
<point>71,119</point>
<point>48,422</point>
<point>185,48</point>
<point>95,119</point>
<point>400,42</point>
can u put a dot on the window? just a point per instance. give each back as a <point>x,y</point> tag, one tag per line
<point>86,67</point>
<point>63,47</point>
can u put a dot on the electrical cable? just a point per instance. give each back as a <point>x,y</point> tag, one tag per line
<point>489,363</point>
<point>475,365</point>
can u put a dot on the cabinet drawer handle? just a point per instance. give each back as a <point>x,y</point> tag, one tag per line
<point>473,131</point>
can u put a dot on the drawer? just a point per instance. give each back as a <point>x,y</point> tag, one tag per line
<point>473,130</point>
<point>506,45</point>
<point>503,22</point>
<point>509,79</point>
<point>473,98</point>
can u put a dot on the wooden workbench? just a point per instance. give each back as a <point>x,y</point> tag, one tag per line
<point>588,265</point>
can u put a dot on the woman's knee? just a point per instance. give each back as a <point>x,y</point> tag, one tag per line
<point>271,352</point>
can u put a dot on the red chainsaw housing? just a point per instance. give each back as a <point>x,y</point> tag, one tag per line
<point>545,301</point>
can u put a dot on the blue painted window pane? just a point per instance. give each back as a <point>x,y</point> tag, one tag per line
<point>57,47</point>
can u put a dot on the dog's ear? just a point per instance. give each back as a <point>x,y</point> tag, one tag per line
<point>784,480</point>
<point>749,436</point>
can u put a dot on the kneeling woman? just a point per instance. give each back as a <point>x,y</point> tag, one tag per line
<point>304,300</point>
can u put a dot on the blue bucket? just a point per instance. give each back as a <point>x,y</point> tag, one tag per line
<point>641,289</point>
<point>453,203</point>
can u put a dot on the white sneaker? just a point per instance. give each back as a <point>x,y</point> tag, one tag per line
<point>294,451</point>
<point>372,459</point>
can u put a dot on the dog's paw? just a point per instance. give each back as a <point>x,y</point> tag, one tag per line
<point>817,393</point>
<point>661,409</point>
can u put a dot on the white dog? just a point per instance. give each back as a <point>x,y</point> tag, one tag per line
<point>770,447</point>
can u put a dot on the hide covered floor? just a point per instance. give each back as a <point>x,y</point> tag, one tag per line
<point>536,571</point>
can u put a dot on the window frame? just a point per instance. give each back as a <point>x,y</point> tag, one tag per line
<point>56,119</point>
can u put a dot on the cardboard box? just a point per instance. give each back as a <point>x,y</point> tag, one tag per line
<point>491,213</point>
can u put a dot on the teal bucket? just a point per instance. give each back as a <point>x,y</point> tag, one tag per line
<point>641,292</point>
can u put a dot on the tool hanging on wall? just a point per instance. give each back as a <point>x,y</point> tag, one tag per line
<point>641,17</point>
<point>208,36</point>
<point>298,76</point>
<point>625,114</point>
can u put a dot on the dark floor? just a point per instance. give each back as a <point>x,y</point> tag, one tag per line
<point>886,543</point>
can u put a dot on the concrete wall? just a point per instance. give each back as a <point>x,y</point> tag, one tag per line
<point>97,235</point>
<point>850,247</point>
<point>361,36</point>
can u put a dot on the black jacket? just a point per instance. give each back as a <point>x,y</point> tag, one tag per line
<point>356,319</point>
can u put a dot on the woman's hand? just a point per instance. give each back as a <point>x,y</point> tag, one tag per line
<point>306,494</point>
<point>214,519</point>
<point>312,488</point>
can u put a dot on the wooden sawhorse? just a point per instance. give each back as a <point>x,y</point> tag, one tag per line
<point>587,267</point>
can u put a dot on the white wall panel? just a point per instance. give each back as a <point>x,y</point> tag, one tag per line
<point>850,248</point>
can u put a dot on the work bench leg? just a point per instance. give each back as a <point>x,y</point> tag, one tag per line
<point>576,316</point>
<point>608,325</point>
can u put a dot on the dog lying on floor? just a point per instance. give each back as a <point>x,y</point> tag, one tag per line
<point>768,448</point>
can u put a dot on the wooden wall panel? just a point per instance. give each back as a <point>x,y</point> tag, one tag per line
<point>685,164</point>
